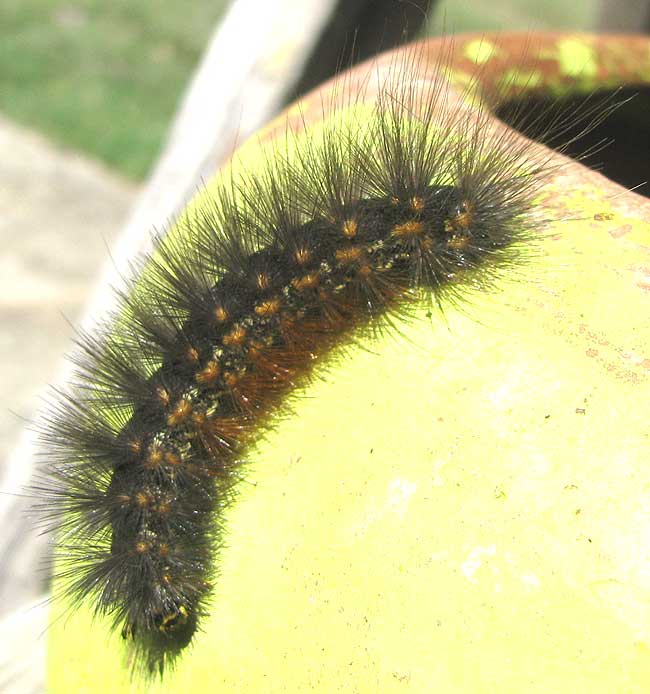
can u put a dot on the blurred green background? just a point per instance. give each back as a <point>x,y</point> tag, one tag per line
<point>104,76</point>
<point>101,76</point>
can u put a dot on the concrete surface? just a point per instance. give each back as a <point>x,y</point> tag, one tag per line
<point>59,214</point>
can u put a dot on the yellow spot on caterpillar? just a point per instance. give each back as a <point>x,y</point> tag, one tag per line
<point>163,395</point>
<point>365,270</point>
<point>308,281</point>
<point>302,256</point>
<point>349,255</point>
<point>463,220</point>
<point>172,458</point>
<point>142,499</point>
<point>459,224</point>
<point>350,228</point>
<point>163,508</point>
<point>263,280</point>
<point>220,314</point>
<point>174,620</point>
<point>163,549</point>
<point>208,374</point>
<point>198,418</point>
<point>417,204</point>
<point>458,241</point>
<point>410,228</point>
<point>123,499</point>
<point>230,379</point>
<point>180,413</point>
<point>142,547</point>
<point>393,200</point>
<point>192,355</point>
<point>154,458</point>
<point>236,336</point>
<point>268,307</point>
<point>255,349</point>
<point>134,446</point>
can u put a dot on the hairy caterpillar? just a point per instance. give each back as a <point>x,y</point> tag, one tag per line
<point>342,230</point>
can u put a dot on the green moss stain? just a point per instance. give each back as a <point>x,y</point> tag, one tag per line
<point>576,58</point>
<point>480,51</point>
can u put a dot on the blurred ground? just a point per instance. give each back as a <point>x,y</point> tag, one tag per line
<point>455,16</point>
<point>59,213</point>
<point>105,77</point>
<point>101,77</point>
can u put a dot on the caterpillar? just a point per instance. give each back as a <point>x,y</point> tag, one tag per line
<point>417,198</point>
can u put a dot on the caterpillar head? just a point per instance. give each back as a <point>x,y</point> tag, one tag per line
<point>163,636</point>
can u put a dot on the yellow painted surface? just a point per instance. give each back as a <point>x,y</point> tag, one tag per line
<point>461,508</point>
<point>464,509</point>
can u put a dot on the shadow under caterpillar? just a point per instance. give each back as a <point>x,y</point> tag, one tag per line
<point>419,196</point>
